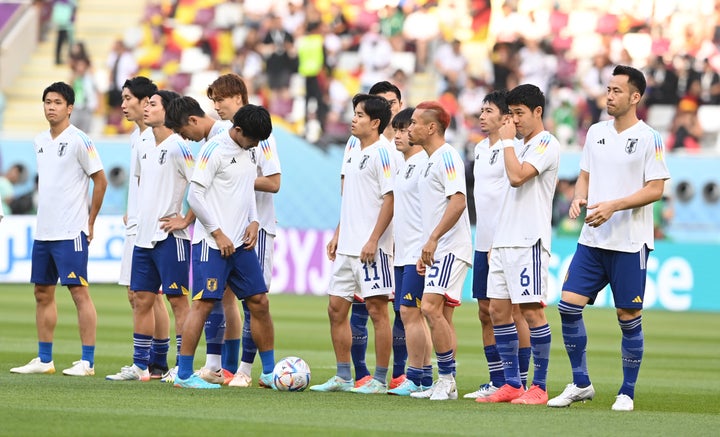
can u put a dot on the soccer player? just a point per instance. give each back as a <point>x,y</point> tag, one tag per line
<point>622,172</point>
<point>162,244</point>
<point>66,162</point>
<point>407,233</point>
<point>490,188</point>
<point>225,235</point>
<point>361,249</point>
<point>518,264</point>
<point>229,93</point>
<point>446,253</point>
<point>359,314</point>
<point>135,94</point>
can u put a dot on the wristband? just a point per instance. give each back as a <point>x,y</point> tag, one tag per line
<point>507,143</point>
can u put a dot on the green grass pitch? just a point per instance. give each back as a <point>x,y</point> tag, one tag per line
<point>678,392</point>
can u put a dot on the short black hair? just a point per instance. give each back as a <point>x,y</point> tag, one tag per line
<point>376,107</point>
<point>179,110</point>
<point>65,90</point>
<point>402,119</point>
<point>254,121</point>
<point>140,87</point>
<point>635,77</point>
<point>166,97</point>
<point>528,95</point>
<point>385,87</point>
<point>499,99</point>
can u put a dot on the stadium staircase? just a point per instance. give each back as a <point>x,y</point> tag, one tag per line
<point>98,24</point>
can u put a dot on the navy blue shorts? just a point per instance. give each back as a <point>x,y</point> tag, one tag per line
<point>480,275</point>
<point>409,287</point>
<point>66,260</point>
<point>591,269</point>
<point>211,273</point>
<point>166,265</point>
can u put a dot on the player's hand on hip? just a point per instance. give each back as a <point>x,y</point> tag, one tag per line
<point>174,223</point>
<point>251,235</point>
<point>367,253</point>
<point>576,208</point>
<point>331,248</point>
<point>599,213</point>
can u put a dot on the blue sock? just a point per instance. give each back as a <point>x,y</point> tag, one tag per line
<point>415,375</point>
<point>506,339</point>
<point>497,377</point>
<point>540,343</point>
<point>427,377</point>
<point>267,358</point>
<point>381,374</point>
<point>185,366</point>
<point>358,325</point>
<point>399,347</point>
<point>215,329</point>
<point>178,343</point>
<point>249,349</point>
<point>231,353</point>
<point>88,354</point>
<point>575,339</point>
<point>446,362</point>
<point>343,371</point>
<point>524,363</point>
<point>141,348</point>
<point>632,347</point>
<point>159,351</point>
<point>45,351</point>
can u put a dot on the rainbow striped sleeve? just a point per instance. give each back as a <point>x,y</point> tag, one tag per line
<point>205,153</point>
<point>659,146</point>
<point>385,161</point>
<point>89,146</point>
<point>266,149</point>
<point>542,145</point>
<point>449,166</point>
<point>187,154</point>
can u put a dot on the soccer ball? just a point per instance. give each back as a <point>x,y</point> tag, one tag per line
<point>291,374</point>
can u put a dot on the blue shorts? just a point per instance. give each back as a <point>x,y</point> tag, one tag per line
<point>167,265</point>
<point>66,260</point>
<point>480,275</point>
<point>211,273</point>
<point>591,269</point>
<point>409,287</point>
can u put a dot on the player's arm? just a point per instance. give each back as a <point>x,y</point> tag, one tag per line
<point>203,212</point>
<point>177,222</point>
<point>98,193</point>
<point>518,173</point>
<point>581,193</point>
<point>251,231</point>
<point>268,184</point>
<point>331,248</point>
<point>601,212</point>
<point>455,207</point>
<point>367,253</point>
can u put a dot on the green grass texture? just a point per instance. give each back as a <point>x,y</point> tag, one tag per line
<point>678,392</point>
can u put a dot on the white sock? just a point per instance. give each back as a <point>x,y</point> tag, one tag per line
<point>213,362</point>
<point>245,368</point>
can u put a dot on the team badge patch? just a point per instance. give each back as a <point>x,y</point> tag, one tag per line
<point>253,158</point>
<point>409,171</point>
<point>427,170</point>
<point>62,149</point>
<point>163,157</point>
<point>631,145</point>
<point>211,284</point>
<point>363,161</point>
<point>494,156</point>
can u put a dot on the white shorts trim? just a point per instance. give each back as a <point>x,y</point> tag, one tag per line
<point>447,277</point>
<point>352,278</point>
<point>265,250</point>
<point>126,261</point>
<point>519,274</point>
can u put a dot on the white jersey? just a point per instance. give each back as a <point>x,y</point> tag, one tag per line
<point>527,210</point>
<point>228,175</point>
<point>443,176</point>
<point>620,164</point>
<point>136,139</point>
<point>164,171</point>
<point>491,186</point>
<point>368,178</point>
<point>395,154</point>
<point>219,127</point>
<point>407,218</point>
<point>64,166</point>
<point>266,158</point>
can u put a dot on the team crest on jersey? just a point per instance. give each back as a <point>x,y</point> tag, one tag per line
<point>62,149</point>
<point>211,284</point>
<point>363,162</point>
<point>631,145</point>
<point>427,170</point>
<point>163,157</point>
<point>494,156</point>
<point>409,171</point>
<point>253,158</point>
